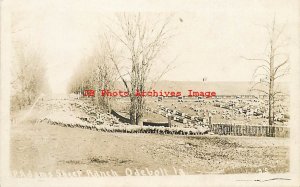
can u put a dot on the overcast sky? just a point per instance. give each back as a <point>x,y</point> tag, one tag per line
<point>210,40</point>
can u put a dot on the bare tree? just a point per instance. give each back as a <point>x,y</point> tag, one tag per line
<point>142,42</point>
<point>274,66</point>
<point>28,67</point>
<point>28,76</point>
<point>95,72</point>
<point>104,73</point>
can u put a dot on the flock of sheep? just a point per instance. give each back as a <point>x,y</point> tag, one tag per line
<point>180,116</point>
<point>92,118</point>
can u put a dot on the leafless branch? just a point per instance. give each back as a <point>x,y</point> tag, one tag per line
<point>280,65</point>
<point>256,59</point>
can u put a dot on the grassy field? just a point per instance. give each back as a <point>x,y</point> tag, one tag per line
<point>40,147</point>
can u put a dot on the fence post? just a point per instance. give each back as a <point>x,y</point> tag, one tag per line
<point>234,130</point>
<point>243,130</point>
<point>272,131</point>
<point>267,131</point>
<point>169,121</point>
<point>276,133</point>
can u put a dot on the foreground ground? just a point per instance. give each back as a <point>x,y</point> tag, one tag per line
<point>40,147</point>
<point>49,148</point>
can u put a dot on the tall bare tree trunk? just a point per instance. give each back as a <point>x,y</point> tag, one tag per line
<point>140,110</point>
<point>271,88</point>
<point>132,110</point>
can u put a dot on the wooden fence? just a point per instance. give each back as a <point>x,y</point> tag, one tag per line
<point>250,130</point>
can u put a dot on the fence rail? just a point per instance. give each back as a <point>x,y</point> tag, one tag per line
<point>250,130</point>
<point>153,124</point>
